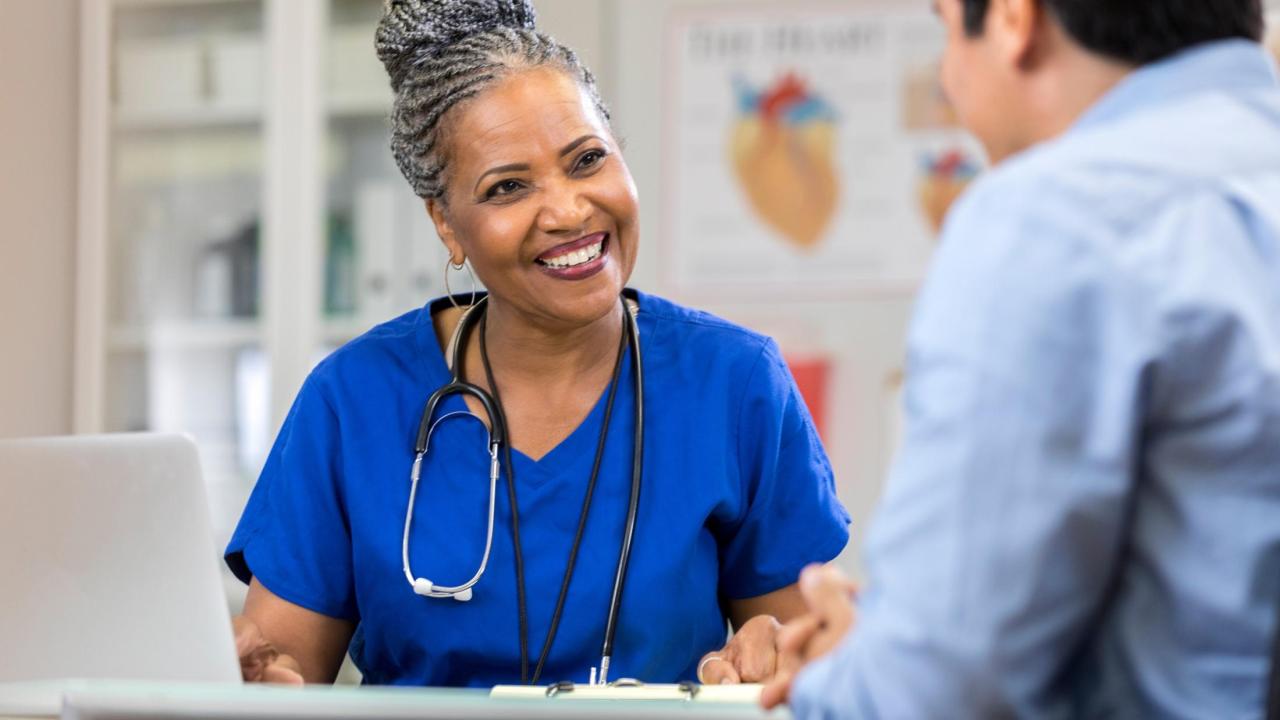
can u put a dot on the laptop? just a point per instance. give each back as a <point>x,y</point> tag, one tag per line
<point>109,567</point>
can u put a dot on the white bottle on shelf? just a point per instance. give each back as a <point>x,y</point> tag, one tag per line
<point>213,282</point>
<point>141,278</point>
<point>214,273</point>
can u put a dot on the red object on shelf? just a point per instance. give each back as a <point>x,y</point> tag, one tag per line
<point>812,375</point>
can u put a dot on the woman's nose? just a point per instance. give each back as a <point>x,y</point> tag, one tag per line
<point>564,209</point>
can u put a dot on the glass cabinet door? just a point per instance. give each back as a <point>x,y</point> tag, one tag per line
<point>382,254</point>
<point>183,339</point>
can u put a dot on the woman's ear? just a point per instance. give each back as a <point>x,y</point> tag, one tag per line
<point>439,216</point>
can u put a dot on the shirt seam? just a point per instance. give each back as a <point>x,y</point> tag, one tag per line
<point>286,591</point>
<point>339,466</point>
<point>737,432</point>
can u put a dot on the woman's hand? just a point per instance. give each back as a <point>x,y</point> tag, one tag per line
<point>279,642</point>
<point>829,596</point>
<point>750,655</point>
<point>260,661</point>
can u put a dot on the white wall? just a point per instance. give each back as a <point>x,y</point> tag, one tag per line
<point>38,130</point>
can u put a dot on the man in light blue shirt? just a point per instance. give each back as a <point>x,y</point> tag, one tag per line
<point>1084,519</point>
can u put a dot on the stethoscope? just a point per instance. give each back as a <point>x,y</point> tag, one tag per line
<point>497,442</point>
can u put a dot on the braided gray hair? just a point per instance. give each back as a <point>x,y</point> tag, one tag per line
<point>440,53</point>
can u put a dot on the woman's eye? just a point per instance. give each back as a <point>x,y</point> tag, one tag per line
<point>505,187</point>
<point>590,158</point>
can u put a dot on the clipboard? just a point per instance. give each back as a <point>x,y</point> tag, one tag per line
<point>625,689</point>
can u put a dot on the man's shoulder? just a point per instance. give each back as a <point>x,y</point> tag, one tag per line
<point>1122,172</point>
<point>1045,191</point>
<point>1112,180</point>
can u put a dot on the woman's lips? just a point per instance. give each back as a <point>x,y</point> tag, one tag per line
<point>569,247</point>
<point>577,260</point>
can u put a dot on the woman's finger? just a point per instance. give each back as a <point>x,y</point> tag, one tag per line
<point>755,649</point>
<point>255,657</point>
<point>247,634</point>
<point>717,670</point>
<point>793,640</point>
<point>259,659</point>
<point>793,636</point>
<point>284,671</point>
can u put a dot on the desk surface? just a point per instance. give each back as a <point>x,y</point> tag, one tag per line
<point>116,700</point>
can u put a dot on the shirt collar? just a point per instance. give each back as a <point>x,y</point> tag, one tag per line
<point>1219,65</point>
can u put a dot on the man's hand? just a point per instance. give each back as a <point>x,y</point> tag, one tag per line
<point>828,595</point>
<point>750,656</point>
<point>259,659</point>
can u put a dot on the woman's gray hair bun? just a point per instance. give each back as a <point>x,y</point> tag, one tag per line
<point>439,53</point>
<point>412,31</point>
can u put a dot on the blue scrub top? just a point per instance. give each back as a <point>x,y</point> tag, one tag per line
<point>737,497</point>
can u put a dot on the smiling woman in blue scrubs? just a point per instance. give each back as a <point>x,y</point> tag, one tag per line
<point>502,133</point>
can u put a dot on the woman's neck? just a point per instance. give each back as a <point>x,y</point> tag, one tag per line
<point>523,349</point>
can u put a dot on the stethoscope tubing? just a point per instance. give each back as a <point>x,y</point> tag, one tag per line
<point>633,506</point>
<point>444,591</point>
<point>498,442</point>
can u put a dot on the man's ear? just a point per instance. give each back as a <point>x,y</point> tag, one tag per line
<point>1016,27</point>
<point>440,216</point>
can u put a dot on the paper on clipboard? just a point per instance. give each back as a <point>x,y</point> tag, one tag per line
<point>746,693</point>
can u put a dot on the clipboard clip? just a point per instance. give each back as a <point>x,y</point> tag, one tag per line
<point>690,689</point>
<point>564,686</point>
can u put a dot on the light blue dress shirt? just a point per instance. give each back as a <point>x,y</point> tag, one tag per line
<point>1084,520</point>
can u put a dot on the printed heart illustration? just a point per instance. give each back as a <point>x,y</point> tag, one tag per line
<point>945,178</point>
<point>782,148</point>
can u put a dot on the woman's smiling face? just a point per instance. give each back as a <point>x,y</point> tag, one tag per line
<point>539,199</point>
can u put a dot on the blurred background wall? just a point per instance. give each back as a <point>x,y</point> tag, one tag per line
<point>38,143</point>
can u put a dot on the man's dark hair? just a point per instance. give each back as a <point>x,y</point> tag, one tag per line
<point>1141,31</point>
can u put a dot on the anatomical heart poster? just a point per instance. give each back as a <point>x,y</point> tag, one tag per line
<point>809,150</point>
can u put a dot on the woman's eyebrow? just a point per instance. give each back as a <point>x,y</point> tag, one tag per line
<point>501,169</point>
<point>570,147</point>
<point>514,167</point>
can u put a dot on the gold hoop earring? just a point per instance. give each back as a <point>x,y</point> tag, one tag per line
<point>448,265</point>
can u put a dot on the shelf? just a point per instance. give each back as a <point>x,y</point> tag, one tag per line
<point>358,106</point>
<point>213,117</point>
<point>132,4</point>
<point>193,335</point>
<point>191,118</point>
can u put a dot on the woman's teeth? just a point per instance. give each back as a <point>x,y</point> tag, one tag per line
<point>575,258</point>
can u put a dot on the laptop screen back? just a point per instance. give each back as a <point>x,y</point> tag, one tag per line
<point>108,562</point>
